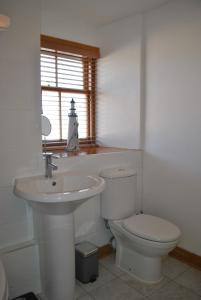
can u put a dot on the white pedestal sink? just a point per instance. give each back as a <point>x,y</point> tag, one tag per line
<point>54,200</point>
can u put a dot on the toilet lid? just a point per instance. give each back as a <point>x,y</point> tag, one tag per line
<point>152,228</point>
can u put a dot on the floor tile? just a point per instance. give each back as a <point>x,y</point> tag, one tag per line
<point>86,297</point>
<point>191,279</point>
<point>109,263</point>
<point>116,290</point>
<point>174,291</point>
<point>79,291</point>
<point>142,287</point>
<point>172,267</point>
<point>104,277</point>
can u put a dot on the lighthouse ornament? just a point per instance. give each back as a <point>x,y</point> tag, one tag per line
<point>72,141</point>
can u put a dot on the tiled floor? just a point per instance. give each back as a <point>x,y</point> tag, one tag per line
<point>180,282</point>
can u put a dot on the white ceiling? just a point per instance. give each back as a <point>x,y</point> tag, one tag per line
<point>100,12</point>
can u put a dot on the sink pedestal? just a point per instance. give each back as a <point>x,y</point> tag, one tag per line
<point>55,234</point>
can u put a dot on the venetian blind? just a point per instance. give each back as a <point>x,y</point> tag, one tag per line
<point>68,70</point>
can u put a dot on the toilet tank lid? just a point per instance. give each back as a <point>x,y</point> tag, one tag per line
<point>117,172</point>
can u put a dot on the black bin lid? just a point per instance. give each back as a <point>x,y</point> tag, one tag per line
<point>86,249</point>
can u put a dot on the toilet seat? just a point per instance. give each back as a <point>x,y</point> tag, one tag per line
<point>151,228</point>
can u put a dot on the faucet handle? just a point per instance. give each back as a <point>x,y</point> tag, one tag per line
<point>46,154</point>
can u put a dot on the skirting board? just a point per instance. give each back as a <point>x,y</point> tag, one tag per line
<point>105,250</point>
<point>187,257</point>
<point>178,253</point>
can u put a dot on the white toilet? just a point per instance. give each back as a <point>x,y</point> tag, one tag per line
<point>141,239</point>
<point>3,283</point>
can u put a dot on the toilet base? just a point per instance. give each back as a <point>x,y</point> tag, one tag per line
<point>139,257</point>
<point>146,269</point>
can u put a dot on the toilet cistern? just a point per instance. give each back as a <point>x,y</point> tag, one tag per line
<point>49,166</point>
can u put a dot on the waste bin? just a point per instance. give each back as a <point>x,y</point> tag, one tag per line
<point>86,262</point>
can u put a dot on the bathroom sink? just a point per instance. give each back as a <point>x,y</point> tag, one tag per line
<point>60,194</point>
<point>53,201</point>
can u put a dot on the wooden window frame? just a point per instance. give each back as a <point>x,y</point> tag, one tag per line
<point>90,55</point>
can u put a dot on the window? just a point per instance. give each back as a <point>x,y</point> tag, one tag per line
<point>68,70</point>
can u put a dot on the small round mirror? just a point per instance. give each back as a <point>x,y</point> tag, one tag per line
<point>46,126</point>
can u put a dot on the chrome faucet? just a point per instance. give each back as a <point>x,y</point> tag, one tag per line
<point>49,166</point>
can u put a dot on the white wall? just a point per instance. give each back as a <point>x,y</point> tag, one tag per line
<point>22,269</point>
<point>118,71</point>
<point>172,158</point>
<point>19,111</point>
<point>62,23</point>
<point>167,78</point>
<point>118,107</point>
<point>19,126</point>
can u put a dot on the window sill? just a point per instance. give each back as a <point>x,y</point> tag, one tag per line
<point>87,151</point>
